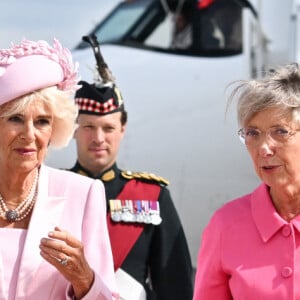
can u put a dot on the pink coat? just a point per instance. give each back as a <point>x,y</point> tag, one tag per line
<point>77,204</point>
<point>249,252</point>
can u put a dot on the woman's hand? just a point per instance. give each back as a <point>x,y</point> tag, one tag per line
<point>66,254</point>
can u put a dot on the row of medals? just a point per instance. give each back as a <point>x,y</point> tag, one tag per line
<point>141,211</point>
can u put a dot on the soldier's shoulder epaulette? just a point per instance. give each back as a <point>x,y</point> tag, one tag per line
<point>145,176</point>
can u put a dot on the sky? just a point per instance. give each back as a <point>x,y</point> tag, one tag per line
<point>67,20</point>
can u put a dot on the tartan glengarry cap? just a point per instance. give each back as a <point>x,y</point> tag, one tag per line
<point>98,100</point>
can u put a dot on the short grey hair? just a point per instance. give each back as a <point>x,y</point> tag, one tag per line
<point>60,103</point>
<point>279,88</point>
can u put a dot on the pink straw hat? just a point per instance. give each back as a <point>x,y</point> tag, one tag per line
<point>31,66</point>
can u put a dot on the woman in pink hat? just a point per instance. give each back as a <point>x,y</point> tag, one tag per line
<point>53,243</point>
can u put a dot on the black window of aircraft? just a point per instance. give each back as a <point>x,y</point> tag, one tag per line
<point>123,23</point>
<point>219,26</point>
<point>215,30</point>
<point>120,21</point>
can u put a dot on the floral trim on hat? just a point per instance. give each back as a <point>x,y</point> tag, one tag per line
<point>56,53</point>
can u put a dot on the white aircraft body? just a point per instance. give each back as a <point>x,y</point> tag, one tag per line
<point>176,100</point>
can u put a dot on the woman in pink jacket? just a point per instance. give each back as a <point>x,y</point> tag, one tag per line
<point>53,242</point>
<point>251,247</point>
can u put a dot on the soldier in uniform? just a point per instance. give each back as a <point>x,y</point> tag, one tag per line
<point>150,251</point>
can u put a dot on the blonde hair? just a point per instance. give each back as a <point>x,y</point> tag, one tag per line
<point>63,108</point>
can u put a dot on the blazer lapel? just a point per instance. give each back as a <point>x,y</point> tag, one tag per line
<point>45,216</point>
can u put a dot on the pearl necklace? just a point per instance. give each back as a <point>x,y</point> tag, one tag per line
<point>24,208</point>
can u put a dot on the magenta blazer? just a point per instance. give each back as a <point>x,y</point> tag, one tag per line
<point>77,204</point>
<point>248,252</point>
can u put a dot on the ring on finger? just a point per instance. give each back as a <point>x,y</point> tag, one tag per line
<point>64,261</point>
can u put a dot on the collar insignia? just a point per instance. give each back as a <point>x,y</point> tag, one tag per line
<point>108,176</point>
